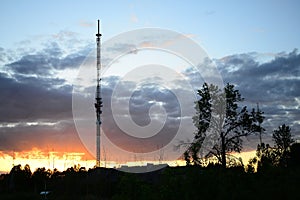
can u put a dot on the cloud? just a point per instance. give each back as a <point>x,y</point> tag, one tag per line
<point>62,138</point>
<point>273,84</point>
<point>44,62</point>
<point>31,92</point>
<point>37,102</point>
<point>33,98</point>
<point>37,115</point>
<point>64,35</point>
<point>145,103</point>
<point>122,47</point>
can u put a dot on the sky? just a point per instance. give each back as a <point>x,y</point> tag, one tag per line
<point>45,44</point>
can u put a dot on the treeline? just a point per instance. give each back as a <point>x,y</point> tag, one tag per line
<point>190,182</point>
<point>74,183</point>
<point>284,154</point>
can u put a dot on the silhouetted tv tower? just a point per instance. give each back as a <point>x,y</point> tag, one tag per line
<point>98,98</point>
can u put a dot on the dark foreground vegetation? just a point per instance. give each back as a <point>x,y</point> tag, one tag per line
<point>190,182</point>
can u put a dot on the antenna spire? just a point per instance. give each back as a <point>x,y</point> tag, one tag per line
<point>98,34</point>
<point>98,103</point>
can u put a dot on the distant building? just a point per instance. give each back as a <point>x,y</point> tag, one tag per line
<point>141,169</point>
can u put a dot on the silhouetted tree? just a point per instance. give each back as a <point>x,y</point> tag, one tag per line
<point>251,165</point>
<point>267,157</point>
<point>27,171</point>
<point>20,178</point>
<point>283,141</point>
<point>40,177</point>
<point>295,155</point>
<point>276,156</point>
<point>219,117</point>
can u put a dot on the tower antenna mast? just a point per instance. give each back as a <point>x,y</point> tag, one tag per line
<point>98,98</point>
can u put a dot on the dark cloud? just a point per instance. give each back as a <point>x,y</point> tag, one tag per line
<point>30,92</point>
<point>31,98</point>
<point>36,113</point>
<point>38,64</point>
<point>45,137</point>
<point>141,98</point>
<point>36,105</point>
<point>149,95</point>
<point>273,84</point>
<point>43,62</point>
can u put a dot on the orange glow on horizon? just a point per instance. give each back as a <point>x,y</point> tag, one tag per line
<point>37,158</point>
<point>64,160</point>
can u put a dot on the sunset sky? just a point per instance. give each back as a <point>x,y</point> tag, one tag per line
<point>43,44</point>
